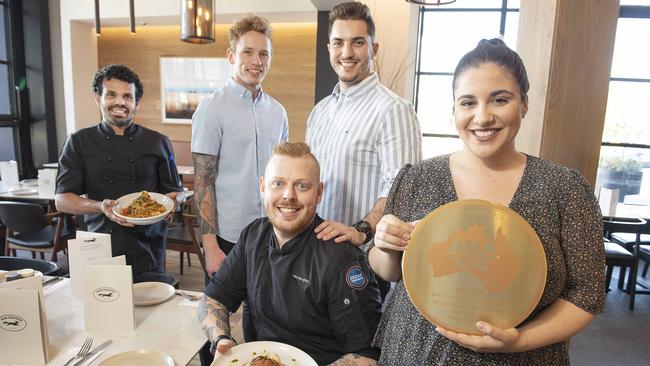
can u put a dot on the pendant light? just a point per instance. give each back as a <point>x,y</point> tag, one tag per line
<point>197,21</point>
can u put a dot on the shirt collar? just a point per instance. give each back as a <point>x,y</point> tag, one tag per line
<point>105,128</point>
<point>241,91</point>
<point>297,243</point>
<point>359,89</point>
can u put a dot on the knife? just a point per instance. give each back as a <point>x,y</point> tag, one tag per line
<point>95,351</point>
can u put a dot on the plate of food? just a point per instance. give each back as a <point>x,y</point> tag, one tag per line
<point>151,293</point>
<point>264,353</point>
<point>143,357</point>
<point>143,208</point>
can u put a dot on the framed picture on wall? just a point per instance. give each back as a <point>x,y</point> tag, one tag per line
<point>184,81</point>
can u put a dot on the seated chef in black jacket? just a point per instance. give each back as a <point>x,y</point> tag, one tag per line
<point>318,296</point>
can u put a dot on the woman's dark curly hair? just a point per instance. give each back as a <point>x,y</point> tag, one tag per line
<point>119,72</point>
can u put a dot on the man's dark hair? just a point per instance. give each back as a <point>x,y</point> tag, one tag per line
<point>352,10</point>
<point>496,52</point>
<point>119,72</point>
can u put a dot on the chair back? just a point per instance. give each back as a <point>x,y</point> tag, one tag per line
<point>14,263</point>
<point>22,217</point>
<point>613,224</point>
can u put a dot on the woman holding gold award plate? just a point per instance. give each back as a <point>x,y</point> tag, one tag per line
<point>549,204</point>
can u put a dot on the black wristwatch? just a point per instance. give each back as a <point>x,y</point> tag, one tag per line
<point>213,346</point>
<point>364,227</point>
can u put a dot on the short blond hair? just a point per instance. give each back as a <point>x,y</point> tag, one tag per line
<point>295,150</point>
<point>247,24</point>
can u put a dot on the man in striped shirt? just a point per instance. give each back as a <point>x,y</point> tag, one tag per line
<point>362,134</point>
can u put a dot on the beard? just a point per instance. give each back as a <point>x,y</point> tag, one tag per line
<point>120,122</point>
<point>291,228</point>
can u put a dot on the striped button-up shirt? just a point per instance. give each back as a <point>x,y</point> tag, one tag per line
<point>362,137</point>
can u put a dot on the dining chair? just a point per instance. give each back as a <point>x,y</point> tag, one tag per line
<point>184,238</point>
<point>14,263</point>
<point>30,228</point>
<point>617,256</point>
<point>628,239</point>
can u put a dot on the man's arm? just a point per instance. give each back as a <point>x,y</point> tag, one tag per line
<point>205,172</point>
<point>331,229</point>
<point>215,321</point>
<point>353,359</point>
<point>74,204</point>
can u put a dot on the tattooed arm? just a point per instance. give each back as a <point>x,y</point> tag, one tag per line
<point>215,321</point>
<point>205,202</point>
<point>353,359</point>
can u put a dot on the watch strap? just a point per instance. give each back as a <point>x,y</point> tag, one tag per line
<point>213,346</point>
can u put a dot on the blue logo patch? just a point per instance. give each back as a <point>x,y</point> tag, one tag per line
<point>355,278</point>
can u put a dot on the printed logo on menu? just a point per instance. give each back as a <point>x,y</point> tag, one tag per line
<point>12,323</point>
<point>355,278</point>
<point>106,294</point>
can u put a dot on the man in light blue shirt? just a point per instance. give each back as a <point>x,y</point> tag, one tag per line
<point>234,130</point>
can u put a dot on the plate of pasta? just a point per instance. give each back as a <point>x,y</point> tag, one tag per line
<point>143,208</point>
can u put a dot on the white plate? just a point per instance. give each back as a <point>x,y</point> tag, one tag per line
<point>242,354</point>
<point>29,182</point>
<point>151,293</point>
<point>22,191</point>
<point>125,201</point>
<point>143,357</point>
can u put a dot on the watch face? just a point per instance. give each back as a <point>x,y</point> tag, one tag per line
<point>363,226</point>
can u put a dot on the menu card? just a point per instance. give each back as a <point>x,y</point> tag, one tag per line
<point>23,325</point>
<point>108,295</point>
<point>86,248</point>
<point>9,173</point>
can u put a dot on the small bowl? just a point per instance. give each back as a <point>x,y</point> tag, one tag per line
<point>125,201</point>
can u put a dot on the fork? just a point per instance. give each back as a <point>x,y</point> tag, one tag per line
<point>82,351</point>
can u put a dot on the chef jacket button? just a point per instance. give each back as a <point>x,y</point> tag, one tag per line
<point>110,159</point>
<point>130,160</point>
<point>132,182</point>
<point>108,138</point>
<point>346,301</point>
<point>131,138</point>
<point>110,181</point>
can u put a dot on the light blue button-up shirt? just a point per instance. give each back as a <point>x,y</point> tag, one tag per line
<point>241,132</point>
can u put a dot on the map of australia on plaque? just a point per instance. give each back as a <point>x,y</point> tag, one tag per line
<point>490,260</point>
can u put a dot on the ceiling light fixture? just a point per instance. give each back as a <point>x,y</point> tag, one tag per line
<point>132,15</point>
<point>98,30</point>
<point>197,21</point>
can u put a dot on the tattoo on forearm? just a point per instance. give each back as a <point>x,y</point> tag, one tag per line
<point>214,318</point>
<point>205,172</point>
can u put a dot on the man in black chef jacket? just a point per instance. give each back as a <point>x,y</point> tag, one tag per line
<point>112,159</point>
<point>316,295</point>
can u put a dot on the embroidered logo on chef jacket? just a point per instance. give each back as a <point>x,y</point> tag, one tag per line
<point>355,278</point>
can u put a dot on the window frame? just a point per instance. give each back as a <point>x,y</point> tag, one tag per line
<point>12,119</point>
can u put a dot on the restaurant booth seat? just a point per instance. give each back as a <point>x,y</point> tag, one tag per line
<point>13,263</point>
<point>30,228</point>
<point>183,237</point>
<point>616,256</point>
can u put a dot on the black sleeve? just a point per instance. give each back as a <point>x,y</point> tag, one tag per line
<point>354,304</point>
<point>70,176</point>
<point>228,285</point>
<point>167,172</point>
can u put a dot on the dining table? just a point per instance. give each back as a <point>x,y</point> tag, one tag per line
<point>26,193</point>
<point>171,327</point>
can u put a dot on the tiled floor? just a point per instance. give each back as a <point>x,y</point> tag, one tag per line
<point>618,336</point>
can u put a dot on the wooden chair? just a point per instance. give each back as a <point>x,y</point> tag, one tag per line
<point>616,257</point>
<point>30,228</point>
<point>184,239</point>
<point>627,240</point>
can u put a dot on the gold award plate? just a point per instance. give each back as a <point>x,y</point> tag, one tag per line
<point>474,260</point>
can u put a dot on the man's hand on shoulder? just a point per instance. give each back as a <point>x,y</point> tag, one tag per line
<point>106,206</point>
<point>353,359</point>
<point>328,230</point>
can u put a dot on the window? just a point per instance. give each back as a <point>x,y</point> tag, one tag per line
<point>446,34</point>
<point>625,152</point>
<point>7,111</point>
